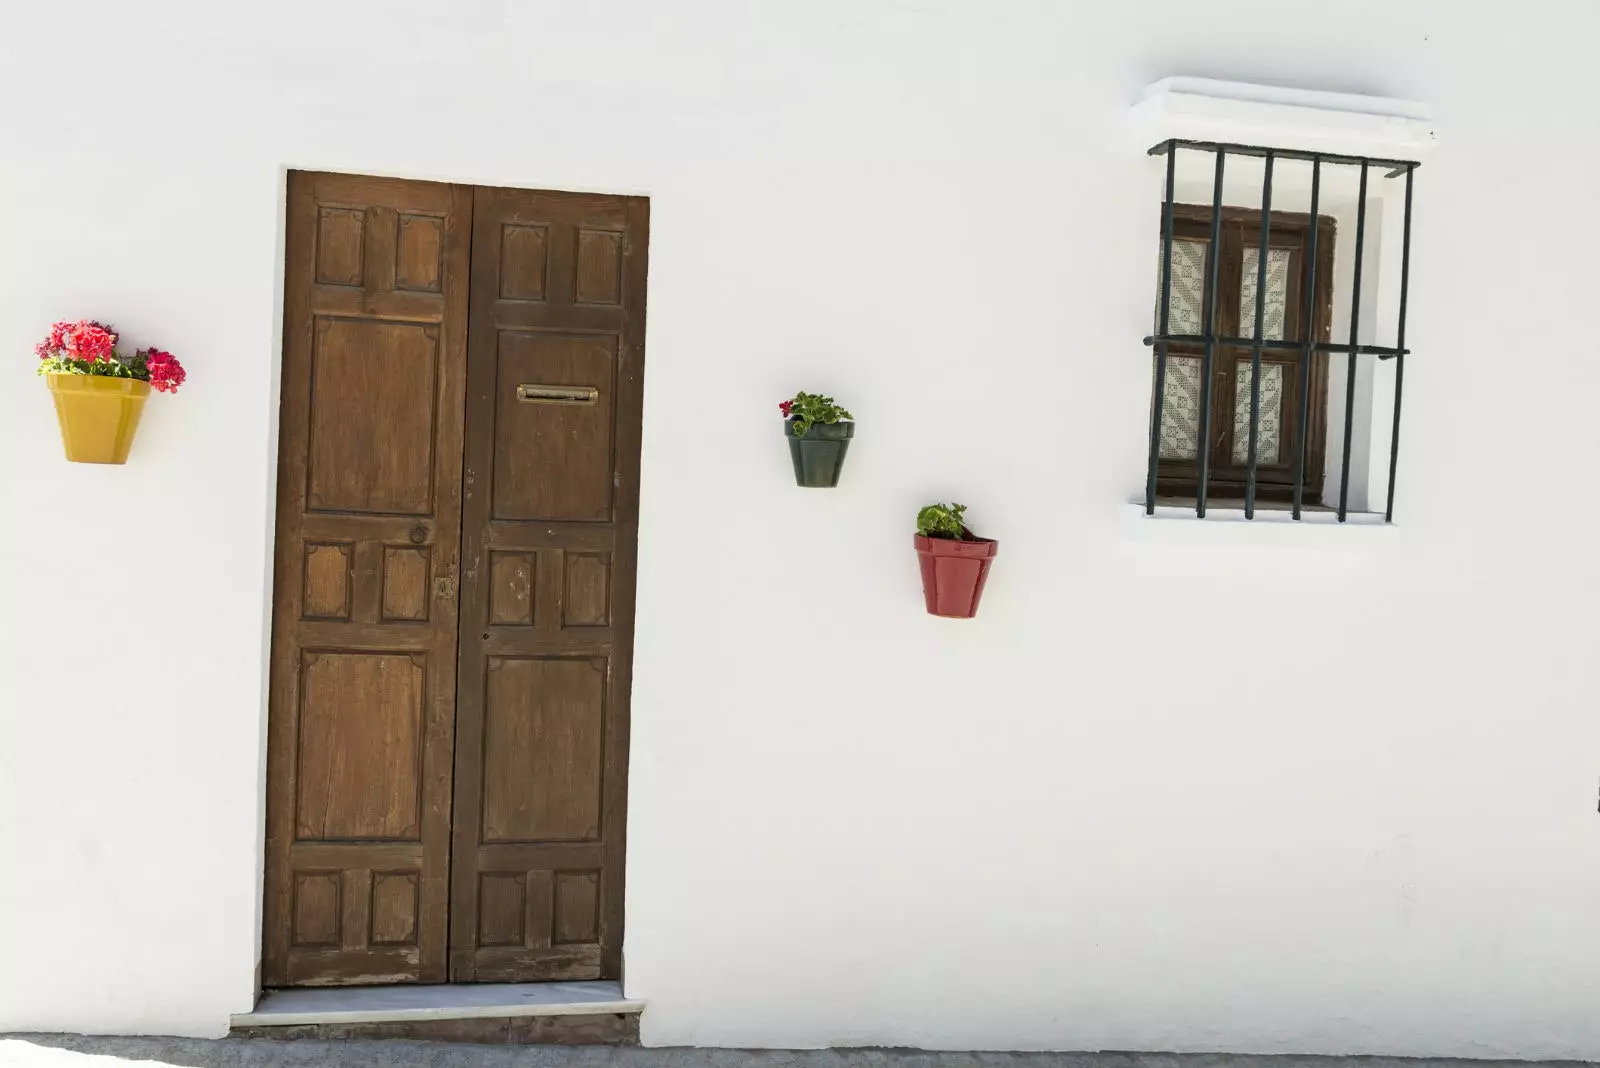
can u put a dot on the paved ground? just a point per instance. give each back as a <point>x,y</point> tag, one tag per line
<point>78,1051</point>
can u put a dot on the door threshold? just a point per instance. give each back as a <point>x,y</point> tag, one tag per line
<point>459,1001</point>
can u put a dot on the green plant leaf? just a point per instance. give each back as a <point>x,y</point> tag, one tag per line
<point>811,408</point>
<point>943,521</point>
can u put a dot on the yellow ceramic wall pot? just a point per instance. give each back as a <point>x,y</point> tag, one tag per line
<point>98,415</point>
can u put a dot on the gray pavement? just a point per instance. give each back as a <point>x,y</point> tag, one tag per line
<point>82,1051</point>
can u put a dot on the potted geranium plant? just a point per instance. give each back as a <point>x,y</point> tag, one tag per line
<point>99,392</point>
<point>955,561</point>
<point>819,433</point>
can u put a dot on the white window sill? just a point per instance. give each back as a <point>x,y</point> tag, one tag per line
<point>1362,533</point>
<point>1203,109</point>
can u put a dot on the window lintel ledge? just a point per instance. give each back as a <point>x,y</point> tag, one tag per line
<point>1266,116</point>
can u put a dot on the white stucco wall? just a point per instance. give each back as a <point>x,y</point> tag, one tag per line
<point>1135,804</point>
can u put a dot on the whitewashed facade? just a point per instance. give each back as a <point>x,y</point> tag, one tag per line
<point>1180,786</point>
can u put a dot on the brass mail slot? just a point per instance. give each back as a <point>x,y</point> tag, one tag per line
<point>531,394</point>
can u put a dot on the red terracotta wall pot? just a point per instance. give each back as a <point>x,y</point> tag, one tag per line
<point>953,573</point>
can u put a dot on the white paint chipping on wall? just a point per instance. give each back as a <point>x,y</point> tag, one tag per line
<point>1140,802</point>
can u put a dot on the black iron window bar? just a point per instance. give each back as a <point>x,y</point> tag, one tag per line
<point>1210,340</point>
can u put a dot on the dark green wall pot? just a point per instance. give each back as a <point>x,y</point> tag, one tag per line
<point>818,454</point>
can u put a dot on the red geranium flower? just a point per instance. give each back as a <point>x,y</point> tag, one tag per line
<point>86,340</point>
<point>54,342</point>
<point>82,340</point>
<point>786,407</point>
<point>166,373</point>
<point>87,347</point>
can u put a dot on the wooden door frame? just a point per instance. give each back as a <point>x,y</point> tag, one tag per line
<point>627,441</point>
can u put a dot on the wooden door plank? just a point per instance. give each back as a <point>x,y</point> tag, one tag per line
<point>362,691</point>
<point>549,544</point>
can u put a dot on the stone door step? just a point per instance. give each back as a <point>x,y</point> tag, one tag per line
<point>395,1004</point>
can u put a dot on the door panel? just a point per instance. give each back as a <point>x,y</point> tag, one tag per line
<point>371,419</point>
<point>553,461</point>
<point>550,519</point>
<point>542,735</point>
<point>364,612</point>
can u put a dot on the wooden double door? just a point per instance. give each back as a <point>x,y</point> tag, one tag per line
<point>453,596</point>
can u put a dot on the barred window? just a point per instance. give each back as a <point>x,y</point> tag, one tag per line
<point>1241,400</point>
